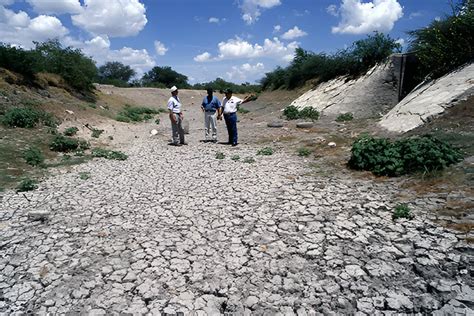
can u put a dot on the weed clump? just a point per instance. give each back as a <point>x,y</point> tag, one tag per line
<point>291,112</point>
<point>220,155</point>
<point>383,157</point>
<point>33,156</point>
<point>108,154</point>
<point>84,175</point>
<point>64,144</point>
<point>303,152</point>
<point>266,151</point>
<point>235,158</point>
<point>136,114</point>
<point>345,117</point>
<point>71,131</point>
<point>28,118</point>
<point>27,185</point>
<point>402,211</point>
<point>96,132</point>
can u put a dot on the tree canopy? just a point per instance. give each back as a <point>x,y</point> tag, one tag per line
<point>115,70</point>
<point>164,77</point>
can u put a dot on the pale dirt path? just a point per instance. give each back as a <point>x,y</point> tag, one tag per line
<point>175,230</point>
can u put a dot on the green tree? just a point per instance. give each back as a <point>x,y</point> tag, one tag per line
<point>165,77</point>
<point>115,70</point>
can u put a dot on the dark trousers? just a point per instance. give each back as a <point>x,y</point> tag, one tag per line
<point>231,123</point>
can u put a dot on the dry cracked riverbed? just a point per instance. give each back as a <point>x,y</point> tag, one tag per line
<point>173,230</point>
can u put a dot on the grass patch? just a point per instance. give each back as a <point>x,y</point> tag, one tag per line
<point>220,155</point>
<point>108,154</point>
<point>137,113</point>
<point>292,113</point>
<point>402,211</point>
<point>303,151</point>
<point>235,158</point>
<point>84,175</point>
<point>345,117</point>
<point>96,132</point>
<point>33,156</point>
<point>266,151</point>
<point>71,131</point>
<point>28,118</point>
<point>27,185</point>
<point>242,110</point>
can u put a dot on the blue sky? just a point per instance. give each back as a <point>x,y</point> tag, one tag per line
<point>237,40</point>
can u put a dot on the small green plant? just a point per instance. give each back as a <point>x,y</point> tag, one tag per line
<point>303,152</point>
<point>235,158</point>
<point>266,151</point>
<point>292,113</point>
<point>220,155</point>
<point>249,160</point>
<point>122,118</point>
<point>62,143</point>
<point>92,105</point>
<point>157,121</point>
<point>147,117</point>
<point>71,131</point>
<point>96,132</point>
<point>84,145</point>
<point>136,114</point>
<point>27,185</point>
<point>84,175</point>
<point>52,131</point>
<point>402,211</point>
<point>345,117</point>
<point>108,154</point>
<point>242,110</point>
<point>33,156</point>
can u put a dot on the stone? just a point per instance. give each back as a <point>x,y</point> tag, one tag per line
<point>354,271</point>
<point>275,124</point>
<point>38,215</point>
<point>251,301</point>
<point>305,125</point>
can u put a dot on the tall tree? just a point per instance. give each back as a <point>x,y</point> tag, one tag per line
<point>166,77</point>
<point>115,70</point>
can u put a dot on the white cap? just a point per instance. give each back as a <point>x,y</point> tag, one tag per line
<point>173,89</point>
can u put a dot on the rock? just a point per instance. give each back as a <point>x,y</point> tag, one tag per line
<point>332,144</point>
<point>276,124</point>
<point>355,271</point>
<point>305,125</point>
<point>38,215</point>
<point>153,132</point>
<point>70,112</point>
<point>251,301</point>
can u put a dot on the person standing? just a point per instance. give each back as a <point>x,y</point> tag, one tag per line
<point>210,106</point>
<point>229,108</point>
<point>176,117</point>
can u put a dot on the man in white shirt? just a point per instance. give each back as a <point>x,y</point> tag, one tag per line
<point>229,107</point>
<point>176,117</point>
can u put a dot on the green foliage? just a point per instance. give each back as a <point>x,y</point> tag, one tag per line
<point>345,117</point>
<point>266,151</point>
<point>303,151</point>
<point>33,156</point>
<point>136,114</point>
<point>220,155</point>
<point>292,113</point>
<point>220,85</point>
<point>402,211</point>
<point>235,158</point>
<point>108,154</point>
<point>157,121</point>
<point>446,43</point>
<point>383,157</point>
<point>71,131</point>
<point>116,73</point>
<point>27,185</point>
<point>28,118</point>
<point>62,143</point>
<point>96,132</point>
<point>84,145</point>
<point>354,61</point>
<point>249,160</point>
<point>242,110</point>
<point>164,77</point>
<point>84,175</point>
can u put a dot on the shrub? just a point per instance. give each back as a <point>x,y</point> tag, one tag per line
<point>220,155</point>
<point>266,151</point>
<point>303,152</point>
<point>28,118</point>
<point>108,154</point>
<point>235,158</point>
<point>84,175</point>
<point>292,113</point>
<point>345,117</point>
<point>27,185</point>
<point>242,110</point>
<point>402,211</point>
<point>136,113</point>
<point>71,131</point>
<point>157,121</point>
<point>64,144</point>
<point>383,157</point>
<point>84,145</point>
<point>33,156</point>
<point>96,132</point>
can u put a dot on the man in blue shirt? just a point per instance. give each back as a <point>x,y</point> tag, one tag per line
<point>210,106</point>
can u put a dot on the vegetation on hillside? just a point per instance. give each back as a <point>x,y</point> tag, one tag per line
<point>446,43</point>
<point>356,60</point>
<point>115,73</point>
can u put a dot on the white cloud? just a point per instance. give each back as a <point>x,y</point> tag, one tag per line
<point>364,17</point>
<point>114,18</point>
<point>293,33</point>
<point>160,48</point>
<point>276,28</point>
<point>203,57</point>
<point>6,2</point>
<point>332,10</point>
<point>214,20</point>
<point>251,9</point>
<point>238,48</point>
<point>400,41</point>
<point>245,71</point>
<point>414,15</point>
<point>56,7</point>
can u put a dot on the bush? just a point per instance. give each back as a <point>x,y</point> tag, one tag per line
<point>108,154</point>
<point>402,211</point>
<point>64,144</point>
<point>303,152</point>
<point>266,151</point>
<point>84,175</point>
<point>96,132</point>
<point>235,158</point>
<point>345,117</point>
<point>383,157</point>
<point>220,155</point>
<point>28,118</point>
<point>27,185</point>
<point>292,113</point>
<point>71,131</point>
<point>33,156</point>
<point>136,114</point>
